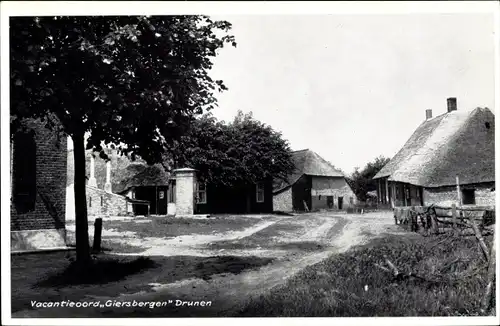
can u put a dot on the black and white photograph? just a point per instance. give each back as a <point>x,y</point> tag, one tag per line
<point>249,159</point>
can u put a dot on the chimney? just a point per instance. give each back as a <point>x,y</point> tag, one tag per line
<point>452,104</point>
<point>428,114</point>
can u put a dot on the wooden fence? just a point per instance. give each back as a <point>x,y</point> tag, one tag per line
<point>436,219</point>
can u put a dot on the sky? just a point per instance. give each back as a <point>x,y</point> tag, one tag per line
<point>353,87</point>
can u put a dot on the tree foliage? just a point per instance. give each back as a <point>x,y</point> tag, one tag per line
<point>243,151</point>
<point>131,82</point>
<point>362,180</point>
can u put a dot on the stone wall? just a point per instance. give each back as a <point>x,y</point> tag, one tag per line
<point>282,202</point>
<point>483,194</point>
<point>101,203</point>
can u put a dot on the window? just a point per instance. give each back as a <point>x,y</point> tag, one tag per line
<point>90,201</point>
<point>202,193</point>
<point>260,192</point>
<point>351,200</point>
<point>102,201</point>
<point>24,172</point>
<point>468,197</point>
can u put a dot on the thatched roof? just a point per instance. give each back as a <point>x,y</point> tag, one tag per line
<point>141,175</point>
<point>456,143</point>
<point>309,163</point>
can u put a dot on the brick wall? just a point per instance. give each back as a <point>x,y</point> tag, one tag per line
<point>101,203</point>
<point>484,195</point>
<point>51,159</point>
<point>282,202</point>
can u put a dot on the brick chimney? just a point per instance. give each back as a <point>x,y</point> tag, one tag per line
<point>428,114</point>
<point>452,104</point>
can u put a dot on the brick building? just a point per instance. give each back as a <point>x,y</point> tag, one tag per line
<point>455,146</point>
<point>314,185</point>
<point>38,189</point>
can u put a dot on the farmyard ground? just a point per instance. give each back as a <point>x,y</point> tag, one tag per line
<point>227,261</point>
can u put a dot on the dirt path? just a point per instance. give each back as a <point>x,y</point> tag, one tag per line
<point>190,245</point>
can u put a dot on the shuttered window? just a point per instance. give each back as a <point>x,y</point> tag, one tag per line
<point>24,172</point>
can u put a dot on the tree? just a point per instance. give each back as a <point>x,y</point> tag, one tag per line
<point>133,83</point>
<point>241,152</point>
<point>362,180</point>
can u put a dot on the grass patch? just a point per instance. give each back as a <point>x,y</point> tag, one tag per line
<point>107,244</point>
<point>306,246</point>
<point>336,286</point>
<point>167,227</point>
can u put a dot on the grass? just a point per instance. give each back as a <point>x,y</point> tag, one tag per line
<point>349,285</point>
<point>167,227</point>
<point>266,238</point>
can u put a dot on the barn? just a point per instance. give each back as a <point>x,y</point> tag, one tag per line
<point>315,184</point>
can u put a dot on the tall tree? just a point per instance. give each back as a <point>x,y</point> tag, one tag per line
<point>243,151</point>
<point>362,180</point>
<point>133,83</point>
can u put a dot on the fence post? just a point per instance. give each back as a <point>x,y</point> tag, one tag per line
<point>454,216</point>
<point>434,224</point>
<point>97,235</point>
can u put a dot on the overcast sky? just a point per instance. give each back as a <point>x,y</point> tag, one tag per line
<point>352,87</point>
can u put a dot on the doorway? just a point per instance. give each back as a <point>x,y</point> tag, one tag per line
<point>329,201</point>
<point>341,202</point>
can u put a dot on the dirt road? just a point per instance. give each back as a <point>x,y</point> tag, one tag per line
<point>292,242</point>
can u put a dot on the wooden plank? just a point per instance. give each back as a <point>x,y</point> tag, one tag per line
<point>480,238</point>
<point>490,280</point>
<point>454,216</point>
<point>459,194</point>
<point>470,209</point>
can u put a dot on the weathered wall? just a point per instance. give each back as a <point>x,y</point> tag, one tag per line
<point>101,203</point>
<point>50,183</point>
<point>301,192</point>
<point>484,195</point>
<point>185,188</point>
<point>240,199</point>
<point>282,201</point>
<point>336,187</point>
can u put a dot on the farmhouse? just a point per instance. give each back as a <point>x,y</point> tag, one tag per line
<point>314,185</point>
<point>122,187</point>
<point>450,157</point>
<point>38,187</point>
<point>238,199</point>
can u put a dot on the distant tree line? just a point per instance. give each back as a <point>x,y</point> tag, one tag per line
<point>361,180</point>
